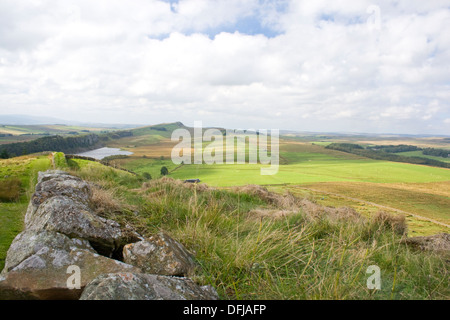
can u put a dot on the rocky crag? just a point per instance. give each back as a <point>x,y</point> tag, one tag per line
<point>68,252</point>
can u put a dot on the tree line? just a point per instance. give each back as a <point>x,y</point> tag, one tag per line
<point>395,149</point>
<point>60,144</point>
<point>383,155</point>
<point>51,143</point>
<point>436,152</point>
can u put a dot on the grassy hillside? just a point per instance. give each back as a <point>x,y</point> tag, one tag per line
<point>251,243</point>
<point>255,244</point>
<point>14,202</point>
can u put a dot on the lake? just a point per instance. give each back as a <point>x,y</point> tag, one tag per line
<point>101,153</point>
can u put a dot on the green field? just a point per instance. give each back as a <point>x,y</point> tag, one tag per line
<point>312,171</point>
<point>392,186</point>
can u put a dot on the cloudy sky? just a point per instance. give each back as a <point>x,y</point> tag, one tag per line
<point>349,66</point>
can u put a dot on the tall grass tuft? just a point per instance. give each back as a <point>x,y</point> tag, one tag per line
<point>10,189</point>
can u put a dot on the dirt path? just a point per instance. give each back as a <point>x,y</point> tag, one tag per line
<point>373,204</point>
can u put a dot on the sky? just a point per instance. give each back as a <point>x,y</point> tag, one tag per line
<point>323,66</point>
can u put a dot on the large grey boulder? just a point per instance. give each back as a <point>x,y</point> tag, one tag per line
<point>57,183</point>
<point>46,260</point>
<point>29,242</point>
<point>160,254</point>
<point>133,286</point>
<point>76,220</point>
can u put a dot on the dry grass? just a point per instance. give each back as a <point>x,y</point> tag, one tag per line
<point>105,202</point>
<point>285,201</point>
<point>395,222</point>
<point>284,205</point>
<point>315,211</point>
<point>430,200</point>
<point>270,213</point>
<point>167,181</point>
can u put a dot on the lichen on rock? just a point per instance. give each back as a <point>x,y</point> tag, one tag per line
<point>160,254</point>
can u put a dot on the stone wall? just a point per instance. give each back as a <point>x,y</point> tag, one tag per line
<point>67,252</point>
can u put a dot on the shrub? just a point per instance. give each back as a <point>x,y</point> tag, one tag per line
<point>147,176</point>
<point>10,189</point>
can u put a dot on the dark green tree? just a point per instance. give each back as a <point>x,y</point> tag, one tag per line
<point>4,154</point>
<point>164,171</point>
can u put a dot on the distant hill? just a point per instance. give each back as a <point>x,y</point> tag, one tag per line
<point>163,129</point>
<point>21,119</point>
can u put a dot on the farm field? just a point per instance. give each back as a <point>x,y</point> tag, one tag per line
<point>312,172</point>
<point>330,177</point>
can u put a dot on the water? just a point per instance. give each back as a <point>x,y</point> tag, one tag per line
<point>101,153</point>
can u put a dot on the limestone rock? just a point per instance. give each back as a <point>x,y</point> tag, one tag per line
<point>133,286</point>
<point>161,255</point>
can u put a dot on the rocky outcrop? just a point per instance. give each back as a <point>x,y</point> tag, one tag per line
<point>62,234</point>
<point>160,254</point>
<point>29,243</point>
<point>133,286</point>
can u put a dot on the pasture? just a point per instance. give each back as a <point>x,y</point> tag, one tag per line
<point>339,178</point>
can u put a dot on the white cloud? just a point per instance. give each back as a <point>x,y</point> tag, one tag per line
<point>145,61</point>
